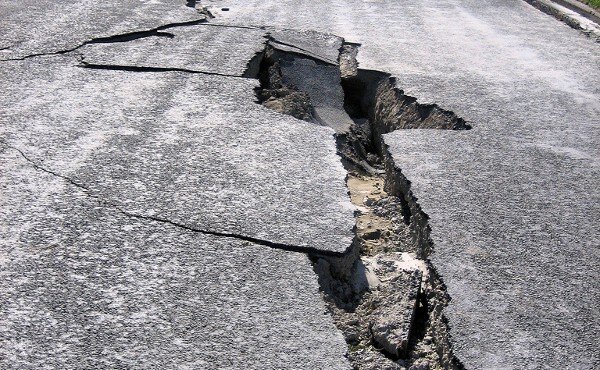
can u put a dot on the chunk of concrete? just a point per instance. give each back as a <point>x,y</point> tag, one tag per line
<point>395,300</point>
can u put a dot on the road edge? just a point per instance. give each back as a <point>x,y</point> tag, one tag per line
<point>577,15</point>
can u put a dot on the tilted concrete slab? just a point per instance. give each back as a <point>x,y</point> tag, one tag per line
<point>192,149</point>
<point>84,286</point>
<point>224,50</point>
<point>318,45</point>
<point>42,26</point>
<point>311,65</point>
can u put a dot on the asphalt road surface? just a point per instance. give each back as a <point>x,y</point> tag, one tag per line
<point>514,204</point>
<point>153,215</point>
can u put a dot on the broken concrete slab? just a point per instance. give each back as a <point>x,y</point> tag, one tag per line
<point>317,45</point>
<point>218,50</point>
<point>83,285</point>
<point>43,27</point>
<point>323,84</point>
<point>519,277</point>
<point>191,149</point>
<point>394,305</point>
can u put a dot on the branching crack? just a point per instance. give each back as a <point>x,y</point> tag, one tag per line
<point>108,204</point>
<point>125,37</point>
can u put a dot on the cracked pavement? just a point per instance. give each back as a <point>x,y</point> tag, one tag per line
<point>513,203</point>
<point>152,215</point>
<point>159,218</point>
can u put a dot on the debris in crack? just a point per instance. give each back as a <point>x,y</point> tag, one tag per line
<point>385,296</point>
<point>395,302</point>
<point>275,95</point>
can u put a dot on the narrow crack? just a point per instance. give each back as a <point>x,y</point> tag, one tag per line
<point>131,68</point>
<point>385,295</point>
<point>108,204</point>
<point>130,37</point>
<point>125,37</point>
<point>207,24</point>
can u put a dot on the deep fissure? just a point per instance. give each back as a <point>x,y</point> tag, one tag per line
<point>384,295</point>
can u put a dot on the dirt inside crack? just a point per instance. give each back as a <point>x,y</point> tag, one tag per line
<point>385,296</point>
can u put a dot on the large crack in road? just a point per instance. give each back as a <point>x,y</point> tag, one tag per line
<point>385,295</point>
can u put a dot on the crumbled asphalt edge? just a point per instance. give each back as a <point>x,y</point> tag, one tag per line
<point>546,7</point>
<point>377,107</point>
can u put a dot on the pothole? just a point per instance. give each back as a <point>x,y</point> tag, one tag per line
<point>384,295</point>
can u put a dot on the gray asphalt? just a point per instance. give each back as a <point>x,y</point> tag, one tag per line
<point>513,203</point>
<point>41,27</point>
<point>200,48</point>
<point>114,183</point>
<point>188,148</point>
<point>101,266</point>
<point>84,286</point>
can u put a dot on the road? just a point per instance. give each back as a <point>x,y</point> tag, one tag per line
<point>514,204</point>
<point>158,219</point>
<point>153,215</point>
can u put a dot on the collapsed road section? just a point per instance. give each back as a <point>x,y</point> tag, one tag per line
<point>385,295</point>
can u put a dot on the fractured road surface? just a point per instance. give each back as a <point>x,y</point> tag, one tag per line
<point>159,219</point>
<point>85,286</point>
<point>126,160</point>
<point>514,204</point>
